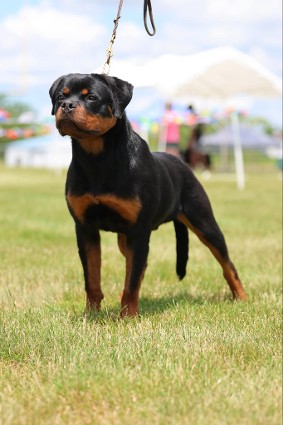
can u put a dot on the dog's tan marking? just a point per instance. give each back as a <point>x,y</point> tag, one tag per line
<point>89,122</point>
<point>83,125</point>
<point>130,299</point>
<point>229,271</point>
<point>93,145</point>
<point>128,209</point>
<point>93,289</point>
<point>122,243</point>
<point>84,91</point>
<point>66,90</point>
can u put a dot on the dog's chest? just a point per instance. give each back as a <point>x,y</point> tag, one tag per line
<point>103,210</point>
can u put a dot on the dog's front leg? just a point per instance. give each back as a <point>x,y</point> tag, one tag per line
<point>90,255</point>
<point>135,249</point>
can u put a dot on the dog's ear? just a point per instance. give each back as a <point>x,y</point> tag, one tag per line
<point>121,92</point>
<point>52,92</point>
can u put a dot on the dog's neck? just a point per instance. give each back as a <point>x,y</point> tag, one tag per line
<point>103,162</point>
<point>97,148</point>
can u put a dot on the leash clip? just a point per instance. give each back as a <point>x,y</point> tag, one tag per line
<point>106,68</point>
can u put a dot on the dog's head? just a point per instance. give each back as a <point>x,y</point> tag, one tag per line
<point>88,104</point>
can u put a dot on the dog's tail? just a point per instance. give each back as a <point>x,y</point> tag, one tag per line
<point>182,248</point>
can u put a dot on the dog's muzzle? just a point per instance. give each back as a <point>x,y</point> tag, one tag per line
<point>68,106</point>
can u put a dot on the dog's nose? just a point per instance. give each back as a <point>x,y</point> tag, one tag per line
<point>69,105</point>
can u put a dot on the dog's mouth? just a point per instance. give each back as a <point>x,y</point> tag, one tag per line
<point>80,124</point>
<point>67,126</point>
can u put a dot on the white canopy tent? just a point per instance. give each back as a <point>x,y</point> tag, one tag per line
<point>217,74</point>
<point>221,74</point>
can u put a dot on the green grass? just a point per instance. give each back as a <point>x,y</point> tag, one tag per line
<point>192,356</point>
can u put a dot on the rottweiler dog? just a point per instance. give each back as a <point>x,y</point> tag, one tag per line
<point>114,183</point>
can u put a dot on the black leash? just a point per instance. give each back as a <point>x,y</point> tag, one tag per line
<point>147,8</point>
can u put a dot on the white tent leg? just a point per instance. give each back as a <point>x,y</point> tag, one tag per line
<point>161,144</point>
<point>238,152</point>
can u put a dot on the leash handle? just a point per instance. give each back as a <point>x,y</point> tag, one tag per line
<point>148,8</point>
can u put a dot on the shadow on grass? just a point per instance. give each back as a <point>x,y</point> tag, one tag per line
<point>153,306</point>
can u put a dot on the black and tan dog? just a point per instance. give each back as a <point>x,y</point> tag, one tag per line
<point>115,184</point>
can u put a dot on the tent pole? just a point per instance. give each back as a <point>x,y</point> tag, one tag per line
<point>161,143</point>
<point>238,152</point>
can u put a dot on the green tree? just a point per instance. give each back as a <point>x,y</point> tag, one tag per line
<point>15,109</point>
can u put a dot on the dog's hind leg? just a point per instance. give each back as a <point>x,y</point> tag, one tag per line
<point>136,252</point>
<point>198,216</point>
<point>122,243</point>
<point>182,248</point>
<point>90,255</point>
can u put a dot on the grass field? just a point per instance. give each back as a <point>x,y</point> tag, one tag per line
<point>192,356</point>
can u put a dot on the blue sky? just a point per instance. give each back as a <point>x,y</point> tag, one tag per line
<point>42,39</point>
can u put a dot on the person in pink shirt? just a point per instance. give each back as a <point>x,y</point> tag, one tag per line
<point>172,131</point>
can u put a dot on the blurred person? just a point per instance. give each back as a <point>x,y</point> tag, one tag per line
<point>172,131</point>
<point>194,154</point>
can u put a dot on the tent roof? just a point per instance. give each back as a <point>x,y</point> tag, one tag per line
<point>217,73</point>
<point>227,72</point>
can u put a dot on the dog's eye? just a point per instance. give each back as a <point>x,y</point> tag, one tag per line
<point>60,97</point>
<point>92,97</point>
